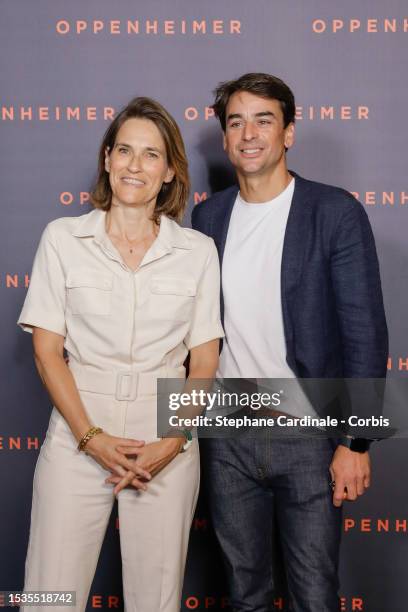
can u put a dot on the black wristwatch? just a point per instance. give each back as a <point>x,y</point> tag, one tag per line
<point>358,445</point>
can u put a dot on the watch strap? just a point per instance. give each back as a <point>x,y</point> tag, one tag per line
<point>358,445</point>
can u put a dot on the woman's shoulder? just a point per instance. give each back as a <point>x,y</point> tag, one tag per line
<point>73,225</point>
<point>197,238</point>
<point>188,237</point>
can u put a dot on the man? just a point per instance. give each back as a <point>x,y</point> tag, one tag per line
<point>301,297</point>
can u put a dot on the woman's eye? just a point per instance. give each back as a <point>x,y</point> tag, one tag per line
<point>152,155</point>
<point>123,150</point>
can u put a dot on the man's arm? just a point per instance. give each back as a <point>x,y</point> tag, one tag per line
<point>358,295</point>
<point>359,304</point>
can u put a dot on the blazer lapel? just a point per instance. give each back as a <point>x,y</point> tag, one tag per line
<point>221,220</point>
<point>219,229</point>
<point>293,255</point>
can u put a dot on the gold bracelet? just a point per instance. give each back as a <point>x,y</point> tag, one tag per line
<point>89,434</point>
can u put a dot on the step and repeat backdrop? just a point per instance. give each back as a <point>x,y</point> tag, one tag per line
<point>67,67</point>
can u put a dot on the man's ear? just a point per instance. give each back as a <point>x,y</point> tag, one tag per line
<point>289,135</point>
<point>224,141</point>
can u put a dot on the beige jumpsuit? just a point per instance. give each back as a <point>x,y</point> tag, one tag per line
<point>122,330</point>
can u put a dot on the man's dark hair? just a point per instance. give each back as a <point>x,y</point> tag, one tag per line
<point>259,84</point>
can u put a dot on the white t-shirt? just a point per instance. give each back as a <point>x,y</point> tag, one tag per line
<point>254,346</point>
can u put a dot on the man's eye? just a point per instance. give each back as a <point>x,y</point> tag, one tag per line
<point>235,124</point>
<point>264,122</point>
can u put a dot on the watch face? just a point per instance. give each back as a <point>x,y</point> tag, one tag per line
<point>359,445</point>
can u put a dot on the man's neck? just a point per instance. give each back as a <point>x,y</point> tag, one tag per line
<point>258,189</point>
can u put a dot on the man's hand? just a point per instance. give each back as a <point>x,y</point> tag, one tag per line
<point>350,472</point>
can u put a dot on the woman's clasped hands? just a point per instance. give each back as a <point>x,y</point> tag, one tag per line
<point>118,455</point>
<point>149,460</point>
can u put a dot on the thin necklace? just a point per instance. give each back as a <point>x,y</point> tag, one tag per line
<point>131,246</point>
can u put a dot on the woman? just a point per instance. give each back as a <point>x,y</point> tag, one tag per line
<point>128,293</point>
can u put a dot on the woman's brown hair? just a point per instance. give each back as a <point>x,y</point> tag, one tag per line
<point>173,196</point>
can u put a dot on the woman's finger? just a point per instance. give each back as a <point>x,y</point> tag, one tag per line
<point>135,468</point>
<point>130,442</point>
<point>130,477</point>
<point>129,450</point>
<point>120,471</point>
<point>123,483</point>
<point>131,466</point>
<point>113,479</point>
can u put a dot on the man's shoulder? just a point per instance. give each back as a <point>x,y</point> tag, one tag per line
<point>328,198</point>
<point>217,199</point>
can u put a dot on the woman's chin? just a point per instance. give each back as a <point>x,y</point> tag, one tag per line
<point>129,202</point>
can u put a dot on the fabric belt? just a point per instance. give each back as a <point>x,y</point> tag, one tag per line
<point>124,385</point>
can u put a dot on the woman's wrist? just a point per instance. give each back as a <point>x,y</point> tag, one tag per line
<point>174,444</point>
<point>91,433</point>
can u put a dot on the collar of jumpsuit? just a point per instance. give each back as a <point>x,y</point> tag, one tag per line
<point>170,236</point>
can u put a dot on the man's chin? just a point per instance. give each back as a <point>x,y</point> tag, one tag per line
<point>249,172</point>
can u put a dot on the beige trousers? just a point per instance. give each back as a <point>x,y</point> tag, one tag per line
<point>72,505</point>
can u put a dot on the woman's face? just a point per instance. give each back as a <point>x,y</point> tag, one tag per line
<point>137,164</point>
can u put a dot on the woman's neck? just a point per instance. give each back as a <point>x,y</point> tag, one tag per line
<point>130,223</point>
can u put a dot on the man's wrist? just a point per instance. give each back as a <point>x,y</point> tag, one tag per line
<point>357,445</point>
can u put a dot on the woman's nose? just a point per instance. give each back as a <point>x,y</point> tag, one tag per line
<point>134,163</point>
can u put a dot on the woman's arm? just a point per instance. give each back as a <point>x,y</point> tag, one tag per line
<point>204,360</point>
<point>60,384</point>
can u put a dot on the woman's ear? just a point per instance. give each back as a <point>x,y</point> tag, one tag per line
<point>107,159</point>
<point>169,175</point>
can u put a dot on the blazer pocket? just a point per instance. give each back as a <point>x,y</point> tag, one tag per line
<point>89,293</point>
<point>171,298</point>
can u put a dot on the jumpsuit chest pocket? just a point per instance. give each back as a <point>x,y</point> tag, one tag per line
<point>171,298</point>
<point>89,292</point>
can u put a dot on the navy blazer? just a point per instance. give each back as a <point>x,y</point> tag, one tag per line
<point>333,312</point>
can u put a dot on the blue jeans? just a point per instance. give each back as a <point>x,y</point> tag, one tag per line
<point>247,481</point>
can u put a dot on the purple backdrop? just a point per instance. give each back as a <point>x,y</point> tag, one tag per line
<point>65,66</point>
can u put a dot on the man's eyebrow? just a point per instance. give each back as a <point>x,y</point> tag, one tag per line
<point>234,116</point>
<point>265,114</point>
<point>260,114</point>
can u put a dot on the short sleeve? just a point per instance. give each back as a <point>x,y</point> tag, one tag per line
<point>206,322</point>
<point>44,305</point>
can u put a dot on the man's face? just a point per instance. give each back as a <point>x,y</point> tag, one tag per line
<point>255,138</point>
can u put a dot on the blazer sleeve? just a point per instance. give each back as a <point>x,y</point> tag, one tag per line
<point>359,302</point>
<point>360,311</point>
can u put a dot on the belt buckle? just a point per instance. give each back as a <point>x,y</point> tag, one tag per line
<point>132,388</point>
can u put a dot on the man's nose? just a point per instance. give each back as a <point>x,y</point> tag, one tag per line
<point>249,131</point>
